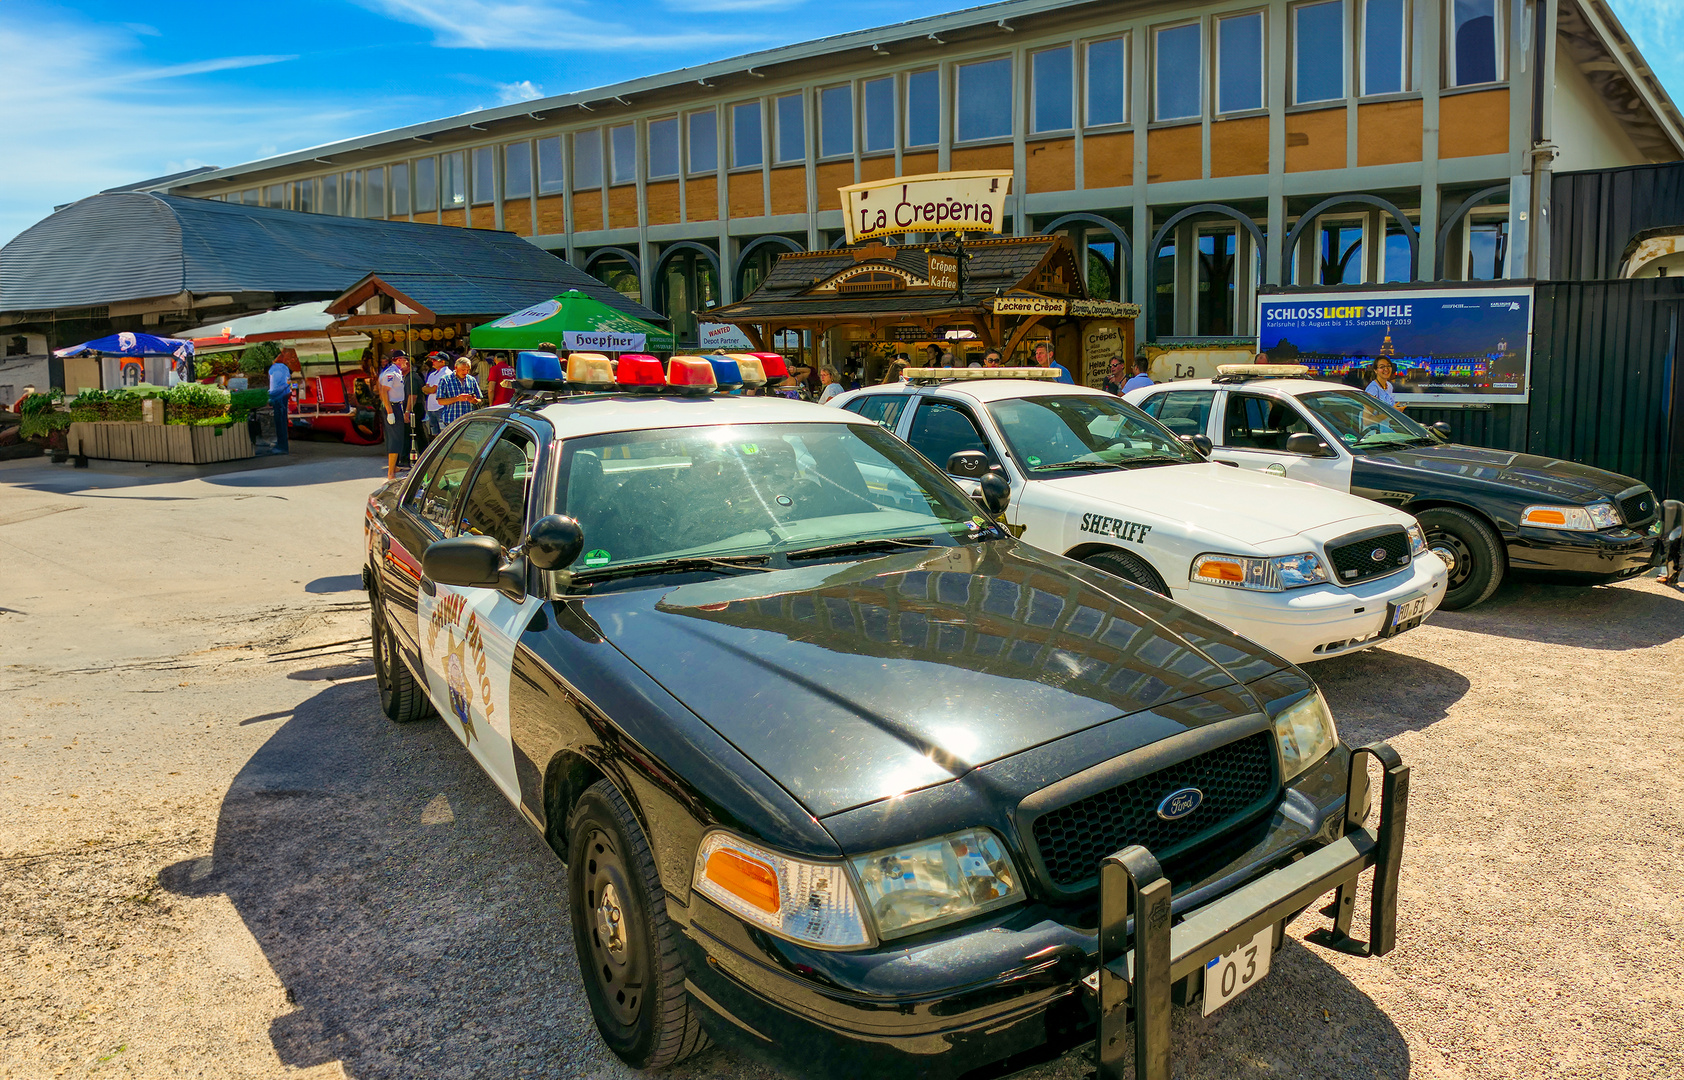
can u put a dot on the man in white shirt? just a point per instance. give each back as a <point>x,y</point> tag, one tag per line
<point>441,365</point>
<point>392,396</point>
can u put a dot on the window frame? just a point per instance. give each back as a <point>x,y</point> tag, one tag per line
<point>401,169</point>
<point>1345,50</point>
<point>461,162</point>
<point>955,107</point>
<point>905,110</point>
<point>431,172</point>
<point>928,403</point>
<point>1262,15</point>
<point>1199,79</point>
<point>864,114</point>
<point>799,97</point>
<point>1035,90</point>
<point>1450,57</point>
<point>577,179</point>
<point>1406,48</point>
<point>1127,40</point>
<point>759,162</point>
<point>689,133</point>
<point>649,172</point>
<point>375,177</point>
<point>477,469</point>
<point>539,187</point>
<point>525,146</point>
<point>819,95</point>
<point>614,178</point>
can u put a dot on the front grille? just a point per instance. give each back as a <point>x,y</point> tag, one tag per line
<point>1237,780</point>
<point>1355,561</point>
<point>1639,508</point>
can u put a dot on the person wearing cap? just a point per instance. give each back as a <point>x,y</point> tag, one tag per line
<point>392,396</point>
<point>458,393</point>
<point>440,368</point>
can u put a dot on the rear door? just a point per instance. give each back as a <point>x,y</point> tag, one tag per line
<point>1254,430</point>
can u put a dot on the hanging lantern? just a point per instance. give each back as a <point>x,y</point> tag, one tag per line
<point>449,332</point>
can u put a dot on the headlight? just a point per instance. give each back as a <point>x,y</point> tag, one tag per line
<point>924,885</point>
<point>1259,574</point>
<point>1305,732</point>
<point>803,901</point>
<point>1417,540</point>
<point>1572,518</point>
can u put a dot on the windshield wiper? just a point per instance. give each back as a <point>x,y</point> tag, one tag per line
<point>847,547</point>
<point>676,565</point>
<point>1080,465</point>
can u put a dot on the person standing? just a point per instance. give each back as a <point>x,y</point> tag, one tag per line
<point>440,368</point>
<point>1385,384</point>
<point>502,379</point>
<point>458,393</point>
<point>392,396</point>
<point>832,384</point>
<point>280,395</point>
<point>1044,358</point>
<point>1141,378</point>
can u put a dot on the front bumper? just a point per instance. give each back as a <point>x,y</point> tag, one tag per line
<point>1587,556</point>
<point>1021,986</point>
<point>1301,625</point>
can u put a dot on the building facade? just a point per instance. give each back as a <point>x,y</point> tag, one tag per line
<point>1191,152</point>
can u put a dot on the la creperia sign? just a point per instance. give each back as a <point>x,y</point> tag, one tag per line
<point>933,203</point>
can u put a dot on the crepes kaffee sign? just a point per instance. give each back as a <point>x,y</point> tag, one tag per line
<point>933,203</point>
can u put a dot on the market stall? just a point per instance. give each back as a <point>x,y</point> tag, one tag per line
<point>574,322</point>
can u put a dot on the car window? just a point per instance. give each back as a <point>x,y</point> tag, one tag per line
<point>438,505</point>
<point>1364,422</point>
<point>883,408</point>
<point>941,429</point>
<point>496,505</point>
<point>1255,422</point>
<point>427,470</point>
<point>1084,431</point>
<point>751,489</point>
<point>1185,412</point>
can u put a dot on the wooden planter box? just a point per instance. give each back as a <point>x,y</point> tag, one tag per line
<point>179,443</point>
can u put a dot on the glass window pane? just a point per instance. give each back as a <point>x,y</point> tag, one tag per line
<point>550,174</point>
<point>453,192</point>
<point>400,188</point>
<point>704,144</point>
<point>330,193</point>
<point>1318,32</point>
<point>622,141</point>
<point>517,170</point>
<point>1488,245</point>
<point>1341,254</point>
<point>1178,63</point>
<point>374,187</point>
<point>496,505</point>
<point>745,134</point>
<point>985,100</point>
<point>1216,282</point>
<point>1108,81</point>
<point>251,197</point>
<point>1163,290</point>
<point>663,147</point>
<point>792,129</point>
<point>351,195</point>
<point>1474,54</point>
<point>275,195</point>
<point>1384,35</point>
<point>587,159</point>
<point>1397,264</point>
<point>923,108</point>
<point>1239,63</point>
<point>879,114</point>
<point>426,185</point>
<point>836,121</point>
<point>304,196</point>
<point>484,160</point>
<point>1052,70</point>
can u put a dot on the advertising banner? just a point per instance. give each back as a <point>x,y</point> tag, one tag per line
<point>932,203</point>
<point>602,341</point>
<point>1028,305</point>
<point>714,335</point>
<point>1462,345</point>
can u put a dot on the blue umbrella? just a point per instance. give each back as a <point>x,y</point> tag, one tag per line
<point>127,344</point>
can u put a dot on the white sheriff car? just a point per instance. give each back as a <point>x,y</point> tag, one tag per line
<point>1304,571</point>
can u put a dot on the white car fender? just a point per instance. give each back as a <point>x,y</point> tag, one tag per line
<point>1061,521</point>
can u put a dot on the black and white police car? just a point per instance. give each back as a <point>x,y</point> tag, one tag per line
<point>1485,512</point>
<point>842,771</point>
<point>1306,572</point>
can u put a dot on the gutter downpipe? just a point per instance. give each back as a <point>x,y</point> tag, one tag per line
<point>1542,154</point>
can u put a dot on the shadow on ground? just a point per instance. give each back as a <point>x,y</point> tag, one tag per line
<point>444,950</point>
<point>1363,690</point>
<point>1608,617</point>
<point>336,584</point>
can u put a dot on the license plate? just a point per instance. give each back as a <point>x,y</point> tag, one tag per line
<point>1405,614</point>
<point>1227,976</point>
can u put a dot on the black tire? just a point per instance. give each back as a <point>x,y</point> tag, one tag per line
<point>1129,567</point>
<point>627,947</point>
<point>1472,551</point>
<point>402,697</point>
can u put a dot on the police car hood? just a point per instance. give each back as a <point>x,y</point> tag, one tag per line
<point>850,682</point>
<point>1248,507</point>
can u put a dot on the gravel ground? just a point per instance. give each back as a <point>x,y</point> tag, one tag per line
<point>217,859</point>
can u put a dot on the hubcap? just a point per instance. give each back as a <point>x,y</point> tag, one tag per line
<point>1454,554</point>
<point>610,922</point>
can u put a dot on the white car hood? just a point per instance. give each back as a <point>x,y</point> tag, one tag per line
<point>1250,507</point>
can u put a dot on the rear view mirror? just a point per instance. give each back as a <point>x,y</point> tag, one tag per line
<point>471,562</point>
<point>996,492</point>
<point>1201,443</point>
<point>970,464</point>
<point>554,542</point>
<point>1307,445</point>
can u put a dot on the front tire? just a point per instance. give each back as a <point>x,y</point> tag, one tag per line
<point>626,945</point>
<point>1131,568</point>
<point>1471,550</point>
<point>402,697</point>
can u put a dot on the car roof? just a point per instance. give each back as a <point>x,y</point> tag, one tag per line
<point>1291,387</point>
<point>984,390</point>
<point>597,414</point>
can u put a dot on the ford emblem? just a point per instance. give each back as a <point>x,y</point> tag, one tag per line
<point>1378,554</point>
<point>1178,804</point>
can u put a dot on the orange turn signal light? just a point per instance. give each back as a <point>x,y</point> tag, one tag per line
<point>750,880</point>
<point>1546,517</point>
<point>1223,571</point>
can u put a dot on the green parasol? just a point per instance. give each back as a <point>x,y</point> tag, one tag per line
<point>574,322</point>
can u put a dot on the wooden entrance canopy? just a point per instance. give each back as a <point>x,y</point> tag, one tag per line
<point>911,293</point>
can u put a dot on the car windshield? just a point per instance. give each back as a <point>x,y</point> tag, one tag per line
<point>1364,422</point>
<point>1088,431</point>
<point>752,489</point>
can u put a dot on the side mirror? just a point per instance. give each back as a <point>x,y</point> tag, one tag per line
<point>1201,443</point>
<point>1442,430</point>
<point>470,562</point>
<point>970,464</point>
<point>996,492</point>
<point>1307,445</point>
<point>554,542</point>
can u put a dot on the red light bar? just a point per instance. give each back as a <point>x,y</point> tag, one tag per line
<point>640,371</point>
<point>691,374</point>
<point>773,365</point>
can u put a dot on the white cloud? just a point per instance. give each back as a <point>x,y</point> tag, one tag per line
<point>200,67</point>
<point>1657,26</point>
<point>711,6</point>
<point>525,90</point>
<point>536,26</point>
<point>144,29</point>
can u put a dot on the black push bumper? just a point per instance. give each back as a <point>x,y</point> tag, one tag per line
<point>1141,955</point>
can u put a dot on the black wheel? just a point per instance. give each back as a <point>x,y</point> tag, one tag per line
<point>1130,568</point>
<point>1470,549</point>
<point>402,697</point>
<point>628,949</point>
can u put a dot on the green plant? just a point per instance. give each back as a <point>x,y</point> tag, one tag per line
<point>39,415</point>
<point>242,403</point>
<point>255,361</point>
<point>189,402</point>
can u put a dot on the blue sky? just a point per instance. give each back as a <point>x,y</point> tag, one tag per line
<point>101,92</point>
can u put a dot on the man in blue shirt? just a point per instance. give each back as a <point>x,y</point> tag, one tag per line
<point>1044,358</point>
<point>280,393</point>
<point>458,393</point>
<point>1140,377</point>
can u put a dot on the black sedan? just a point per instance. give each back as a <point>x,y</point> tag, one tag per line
<point>840,770</point>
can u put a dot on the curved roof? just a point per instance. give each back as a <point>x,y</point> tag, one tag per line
<point>123,246</point>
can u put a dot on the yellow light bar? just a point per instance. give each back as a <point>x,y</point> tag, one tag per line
<point>1262,369</point>
<point>750,368</point>
<point>981,373</point>
<point>590,369</point>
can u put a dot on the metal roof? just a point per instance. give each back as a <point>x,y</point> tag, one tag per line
<point>126,246</point>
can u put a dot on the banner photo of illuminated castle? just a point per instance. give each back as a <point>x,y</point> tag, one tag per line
<point>1467,344</point>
